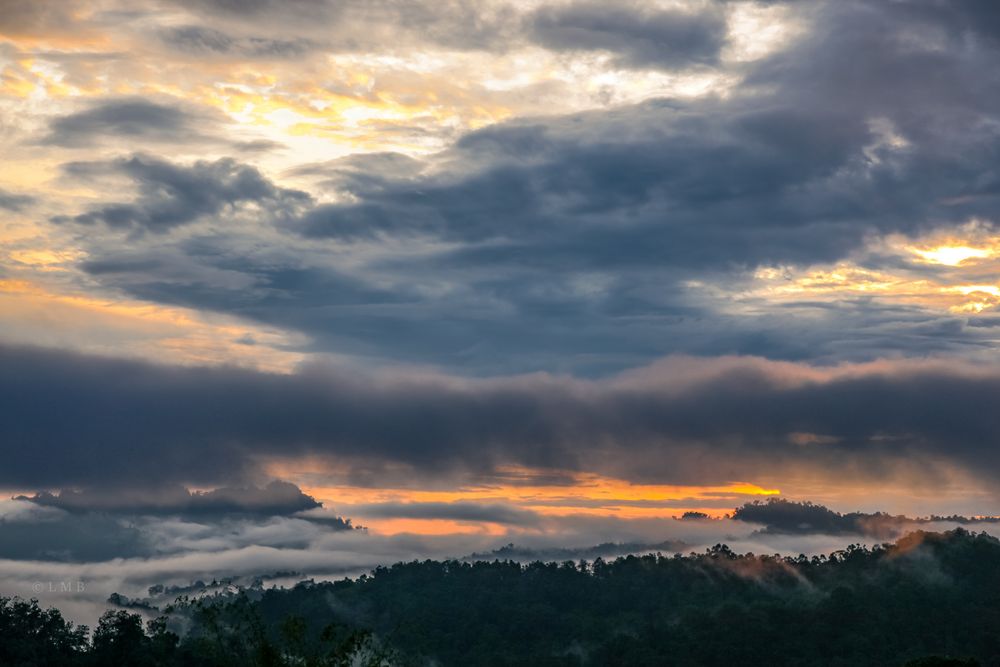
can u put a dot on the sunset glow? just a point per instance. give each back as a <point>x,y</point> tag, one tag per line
<point>953,255</point>
<point>295,289</point>
<point>581,494</point>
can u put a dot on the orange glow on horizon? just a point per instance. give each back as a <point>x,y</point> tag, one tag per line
<point>587,486</point>
<point>583,494</point>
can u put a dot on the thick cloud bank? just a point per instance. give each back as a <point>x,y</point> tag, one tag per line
<point>785,517</point>
<point>277,498</point>
<point>71,419</point>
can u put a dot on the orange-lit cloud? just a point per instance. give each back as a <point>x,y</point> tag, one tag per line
<point>577,494</point>
<point>30,312</point>
<point>953,255</point>
<point>967,260</point>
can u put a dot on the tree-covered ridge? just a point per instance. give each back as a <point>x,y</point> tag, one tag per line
<point>783,516</point>
<point>929,594</point>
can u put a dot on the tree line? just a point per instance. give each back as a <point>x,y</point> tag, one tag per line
<point>927,600</point>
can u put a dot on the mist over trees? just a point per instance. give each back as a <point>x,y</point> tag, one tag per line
<point>789,517</point>
<point>928,599</point>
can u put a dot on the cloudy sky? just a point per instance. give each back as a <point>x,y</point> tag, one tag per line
<point>489,271</point>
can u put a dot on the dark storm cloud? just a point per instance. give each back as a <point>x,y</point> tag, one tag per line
<point>275,499</point>
<point>796,166</point>
<point>389,315</point>
<point>313,8</point>
<point>12,201</point>
<point>130,118</point>
<point>340,310</point>
<point>59,536</point>
<point>201,40</point>
<point>366,25</point>
<point>73,419</point>
<point>172,195</point>
<point>882,120</point>
<point>276,28</point>
<point>702,187</point>
<point>362,172</point>
<point>637,36</point>
<point>571,243</point>
<point>960,17</point>
<point>529,317</point>
<point>925,68</point>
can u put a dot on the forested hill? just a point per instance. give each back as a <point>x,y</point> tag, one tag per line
<point>928,599</point>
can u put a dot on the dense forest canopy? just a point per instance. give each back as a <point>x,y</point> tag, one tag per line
<point>928,599</point>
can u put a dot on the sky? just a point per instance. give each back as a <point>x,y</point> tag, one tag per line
<point>477,273</point>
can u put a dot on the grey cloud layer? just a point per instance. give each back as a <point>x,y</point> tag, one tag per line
<point>52,535</point>
<point>170,195</point>
<point>239,28</point>
<point>639,36</point>
<point>193,39</point>
<point>83,420</point>
<point>12,201</point>
<point>633,36</point>
<point>132,118</point>
<point>129,518</point>
<point>277,498</point>
<point>570,243</point>
<point>791,168</point>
